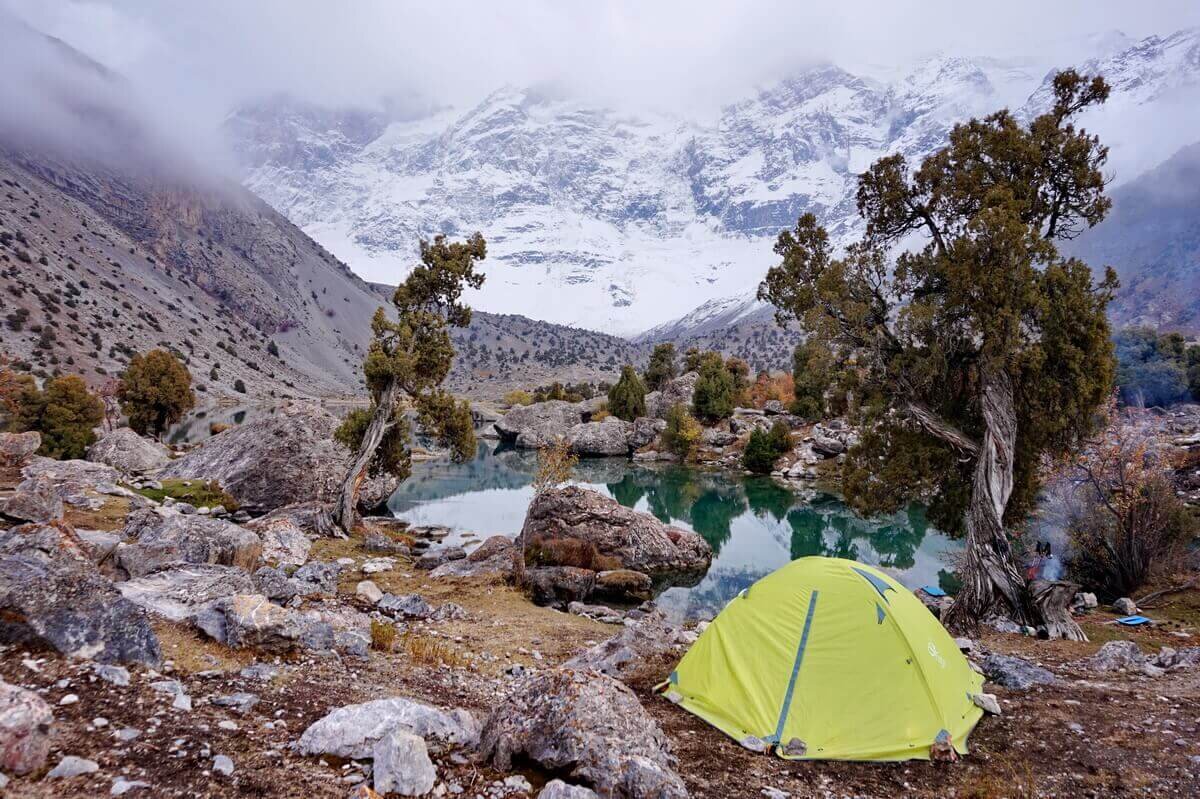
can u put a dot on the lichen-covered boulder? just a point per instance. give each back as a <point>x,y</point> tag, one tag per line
<point>159,541</point>
<point>16,449</point>
<point>620,536</point>
<point>537,425</point>
<point>679,391</point>
<point>281,458</point>
<point>587,726</point>
<point>25,725</point>
<point>607,438</point>
<point>283,542</point>
<point>180,592</point>
<point>35,500</point>
<point>353,730</point>
<point>129,453</point>
<point>51,592</point>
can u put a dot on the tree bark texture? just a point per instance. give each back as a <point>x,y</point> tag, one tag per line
<point>345,509</point>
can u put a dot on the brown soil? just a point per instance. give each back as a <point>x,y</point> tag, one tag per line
<point>1135,739</point>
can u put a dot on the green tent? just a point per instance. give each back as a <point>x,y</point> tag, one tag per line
<point>829,659</point>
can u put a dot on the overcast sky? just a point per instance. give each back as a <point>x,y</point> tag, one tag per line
<point>678,55</point>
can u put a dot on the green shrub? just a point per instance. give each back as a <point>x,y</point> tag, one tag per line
<point>64,412</point>
<point>765,447</point>
<point>682,433</point>
<point>155,392</point>
<point>716,392</point>
<point>661,369</point>
<point>627,399</point>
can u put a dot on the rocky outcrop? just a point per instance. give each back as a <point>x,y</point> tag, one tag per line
<point>493,557</point>
<point>352,731</point>
<point>181,592</point>
<point>585,725</point>
<point>678,392</point>
<point>76,481</point>
<point>610,437</point>
<point>285,457</point>
<point>16,449</point>
<point>646,431</point>
<point>35,500</point>
<point>649,640</point>
<point>620,536</point>
<point>539,424</point>
<point>51,592</point>
<point>129,453</point>
<point>25,722</point>
<point>159,541</point>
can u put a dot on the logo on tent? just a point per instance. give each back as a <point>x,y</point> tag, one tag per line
<point>933,653</point>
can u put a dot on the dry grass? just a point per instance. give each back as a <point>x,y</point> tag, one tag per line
<point>192,652</point>
<point>430,651</point>
<point>110,516</point>
<point>383,636</point>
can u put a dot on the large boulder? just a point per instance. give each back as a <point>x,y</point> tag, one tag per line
<point>1114,656</point>
<point>571,519</point>
<point>651,640</point>
<point>160,541</point>
<point>16,449</point>
<point>284,543</point>
<point>25,721</point>
<point>285,457</point>
<point>51,592</point>
<point>35,500</point>
<point>537,425</point>
<point>76,481</point>
<point>251,620</point>
<point>492,558</point>
<point>179,593</point>
<point>352,731</point>
<point>646,431</point>
<point>679,391</point>
<point>587,726</point>
<point>606,438</point>
<point>129,453</point>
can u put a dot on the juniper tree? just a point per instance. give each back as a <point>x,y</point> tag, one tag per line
<point>408,359</point>
<point>627,398</point>
<point>980,349</point>
<point>63,411</point>
<point>661,369</point>
<point>155,391</point>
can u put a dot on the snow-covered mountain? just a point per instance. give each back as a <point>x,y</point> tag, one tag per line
<point>620,222</point>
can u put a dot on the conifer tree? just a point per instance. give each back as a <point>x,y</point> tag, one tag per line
<point>627,398</point>
<point>63,411</point>
<point>408,359</point>
<point>980,350</point>
<point>661,369</point>
<point>155,392</point>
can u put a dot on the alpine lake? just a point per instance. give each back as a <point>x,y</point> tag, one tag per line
<point>754,524</point>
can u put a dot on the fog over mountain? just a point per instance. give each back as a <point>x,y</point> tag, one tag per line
<point>628,165</point>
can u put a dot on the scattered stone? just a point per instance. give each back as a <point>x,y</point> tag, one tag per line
<point>353,730</point>
<point>368,591</point>
<point>376,565</point>
<point>492,557</point>
<point>117,675</point>
<point>1114,656</point>
<point>222,764</point>
<point>1125,606</point>
<point>69,699</point>
<point>1014,672</point>
<point>122,786</point>
<point>127,734</point>
<point>988,702</point>
<point>71,766</point>
<point>240,702</point>
<point>965,645</point>
<point>601,613</point>
<point>557,789</point>
<point>589,725</point>
<point>402,765</point>
<point>317,577</point>
<point>439,556</point>
<point>25,727</point>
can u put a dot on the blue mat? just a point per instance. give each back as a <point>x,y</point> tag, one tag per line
<point>1133,621</point>
<point>933,590</point>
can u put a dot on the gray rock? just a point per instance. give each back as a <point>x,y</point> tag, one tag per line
<point>635,540</point>
<point>607,438</point>
<point>401,765</point>
<point>649,639</point>
<point>116,675</point>
<point>179,593</point>
<point>623,585</point>
<point>353,730</point>
<point>17,449</point>
<point>987,702</point>
<point>679,391</point>
<point>405,606</point>
<point>646,431</point>
<point>537,425</point>
<point>558,586</point>
<point>774,408</point>
<point>1125,606</point>
<point>76,481</point>
<point>557,789</point>
<point>382,544</point>
<point>71,766</point>
<point>274,584</point>
<point>222,765</point>
<point>281,458</point>
<point>587,725</point>
<point>493,557</point>
<point>171,540</point>
<point>283,542</point>
<point>317,577</point>
<point>129,453</point>
<point>252,620</point>
<point>368,591</point>
<point>441,555</point>
<point>240,702</point>
<point>122,786</point>
<point>1114,656</point>
<point>25,729</point>
<point>601,613</point>
<point>1014,672</point>
<point>50,591</point>
<point>101,544</point>
<point>714,437</point>
<point>35,500</point>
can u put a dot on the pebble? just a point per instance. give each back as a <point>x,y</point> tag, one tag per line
<point>227,725</point>
<point>128,734</point>
<point>71,766</point>
<point>69,699</point>
<point>122,786</point>
<point>99,722</point>
<point>222,765</point>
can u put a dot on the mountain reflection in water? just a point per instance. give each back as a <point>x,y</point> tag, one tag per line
<point>754,524</point>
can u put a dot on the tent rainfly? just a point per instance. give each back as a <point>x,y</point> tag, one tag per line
<point>830,659</point>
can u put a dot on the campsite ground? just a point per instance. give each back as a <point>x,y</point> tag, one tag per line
<point>1112,735</point>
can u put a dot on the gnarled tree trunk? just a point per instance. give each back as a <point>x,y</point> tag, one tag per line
<point>991,582</point>
<point>345,508</point>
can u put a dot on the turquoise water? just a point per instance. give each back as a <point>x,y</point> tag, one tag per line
<point>754,524</point>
